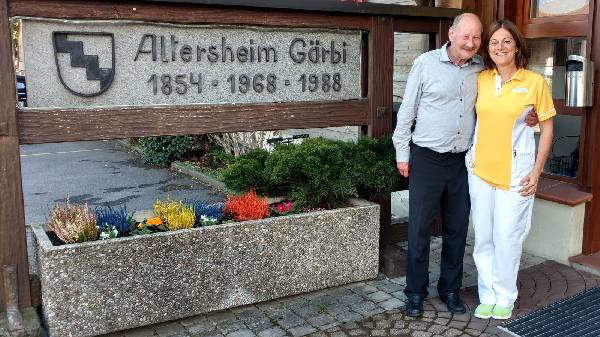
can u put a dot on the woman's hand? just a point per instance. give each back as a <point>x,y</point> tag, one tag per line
<point>529,183</point>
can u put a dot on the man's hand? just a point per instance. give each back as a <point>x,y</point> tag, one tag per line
<point>402,168</point>
<point>531,119</point>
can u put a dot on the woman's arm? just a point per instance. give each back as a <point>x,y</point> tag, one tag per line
<point>530,181</point>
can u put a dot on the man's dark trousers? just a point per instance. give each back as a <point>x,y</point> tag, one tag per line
<point>437,181</point>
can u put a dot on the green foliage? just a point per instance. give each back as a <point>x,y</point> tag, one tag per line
<point>218,157</point>
<point>247,172</point>
<point>318,172</point>
<point>161,151</point>
<point>375,163</point>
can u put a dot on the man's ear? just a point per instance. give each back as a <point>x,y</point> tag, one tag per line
<point>450,33</point>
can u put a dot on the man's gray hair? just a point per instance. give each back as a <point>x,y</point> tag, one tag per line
<point>458,18</point>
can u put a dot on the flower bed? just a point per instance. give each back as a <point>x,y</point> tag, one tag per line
<point>98,287</point>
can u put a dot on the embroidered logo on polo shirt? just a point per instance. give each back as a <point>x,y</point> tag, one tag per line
<point>521,90</point>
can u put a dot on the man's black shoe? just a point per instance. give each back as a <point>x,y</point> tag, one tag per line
<point>454,303</point>
<point>414,306</point>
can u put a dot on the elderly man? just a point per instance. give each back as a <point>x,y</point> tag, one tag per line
<point>439,100</point>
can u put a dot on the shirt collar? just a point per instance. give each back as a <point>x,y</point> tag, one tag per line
<point>445,58</point>
<point>518,76</point>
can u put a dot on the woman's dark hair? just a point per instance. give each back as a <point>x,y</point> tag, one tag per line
<point>521,56</point>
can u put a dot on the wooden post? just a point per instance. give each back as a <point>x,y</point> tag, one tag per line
<point>381,67</point>
<point>591,231</point>
<point>380,87</point>
<point>13,247</point>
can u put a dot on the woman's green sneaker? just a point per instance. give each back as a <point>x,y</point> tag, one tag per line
<point>484,311</point>
<point>500,312</point>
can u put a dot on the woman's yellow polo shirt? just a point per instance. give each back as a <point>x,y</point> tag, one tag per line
<point>501,133</point>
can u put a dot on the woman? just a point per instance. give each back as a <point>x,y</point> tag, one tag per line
<point>503,167</point>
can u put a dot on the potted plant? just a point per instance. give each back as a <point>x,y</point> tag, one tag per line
<point>325,237</point>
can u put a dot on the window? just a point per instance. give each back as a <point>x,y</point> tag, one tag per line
<point>546,8</point>
<point>547,57</point>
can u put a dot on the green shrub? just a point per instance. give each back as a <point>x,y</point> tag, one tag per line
<point>162,151</point>
<point>318,172</point>
<point>375,163</point>
<point>315,173</point>
<point>247,172</point>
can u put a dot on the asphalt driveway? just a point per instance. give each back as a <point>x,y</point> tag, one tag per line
<point>98,173</point>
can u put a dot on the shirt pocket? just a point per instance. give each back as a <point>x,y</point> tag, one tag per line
<point>522,165</point>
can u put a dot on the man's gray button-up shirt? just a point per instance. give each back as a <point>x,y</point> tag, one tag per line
<point>440,99</point>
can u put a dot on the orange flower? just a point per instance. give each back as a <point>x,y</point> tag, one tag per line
<point>154,221</point>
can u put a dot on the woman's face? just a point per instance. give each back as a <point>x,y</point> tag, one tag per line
<point>502,48</point>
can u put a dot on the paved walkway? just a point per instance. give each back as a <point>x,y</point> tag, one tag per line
<point>375,308</point>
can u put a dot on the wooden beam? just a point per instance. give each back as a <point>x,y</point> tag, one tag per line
<point>183,13</point>
<point>381,65</point>
<point>591,233</point>
<point>56,125</point>
<point>415,25</point>
<point>13,247</point>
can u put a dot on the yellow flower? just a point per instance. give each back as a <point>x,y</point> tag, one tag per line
<point>140,226</point>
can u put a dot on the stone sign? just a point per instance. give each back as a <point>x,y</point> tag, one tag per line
<point>116,63</point>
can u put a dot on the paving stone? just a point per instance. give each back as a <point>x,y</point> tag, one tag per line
<point>169,330</point>
<point>241,333</point>
<point>391,287</point>
<point>318,334</point>
<point>357,332</point>
<point>260,324</point>
<point>214,333</point>
<point>338,334</point>
<point>333,327</point>
<point>272,332</point>
<point>350,325</point>
<point>230,325</point>
<point>302,330</point>
<point>350,299</point>
<point>399,332</point>
<point>320,320</point>
<point>418,325</point>
<point>348,316</point>
<point>421,334</point>
<point>379,296</point>
<point>452,332</point>
<point>399,324</point>
<point>287,319</point>
<point>392,303</point>
<point>365,290</point>
<point>399,295</point>
<point>363,307</point>
<point>221,316</point>
<point>142,332</point>
<point>310,310</point>
<point>437,329</point>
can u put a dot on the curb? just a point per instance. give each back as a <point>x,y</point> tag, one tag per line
<point>204,178</point>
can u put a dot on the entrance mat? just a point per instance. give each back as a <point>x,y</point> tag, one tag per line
<point>576,316</point>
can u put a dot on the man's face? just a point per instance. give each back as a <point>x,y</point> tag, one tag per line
<point>465,38</point>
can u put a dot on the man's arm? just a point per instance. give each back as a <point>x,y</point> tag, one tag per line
<point>531,119</point>
<point>406,116</point>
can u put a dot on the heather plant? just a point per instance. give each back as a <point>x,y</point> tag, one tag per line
<point>210,211</point>
<point>73,223</point>
<point>247,206</point>
<point>176,214</point>
<point>108,217</point>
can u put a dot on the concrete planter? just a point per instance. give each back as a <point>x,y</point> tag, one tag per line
<point>104,286</point>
